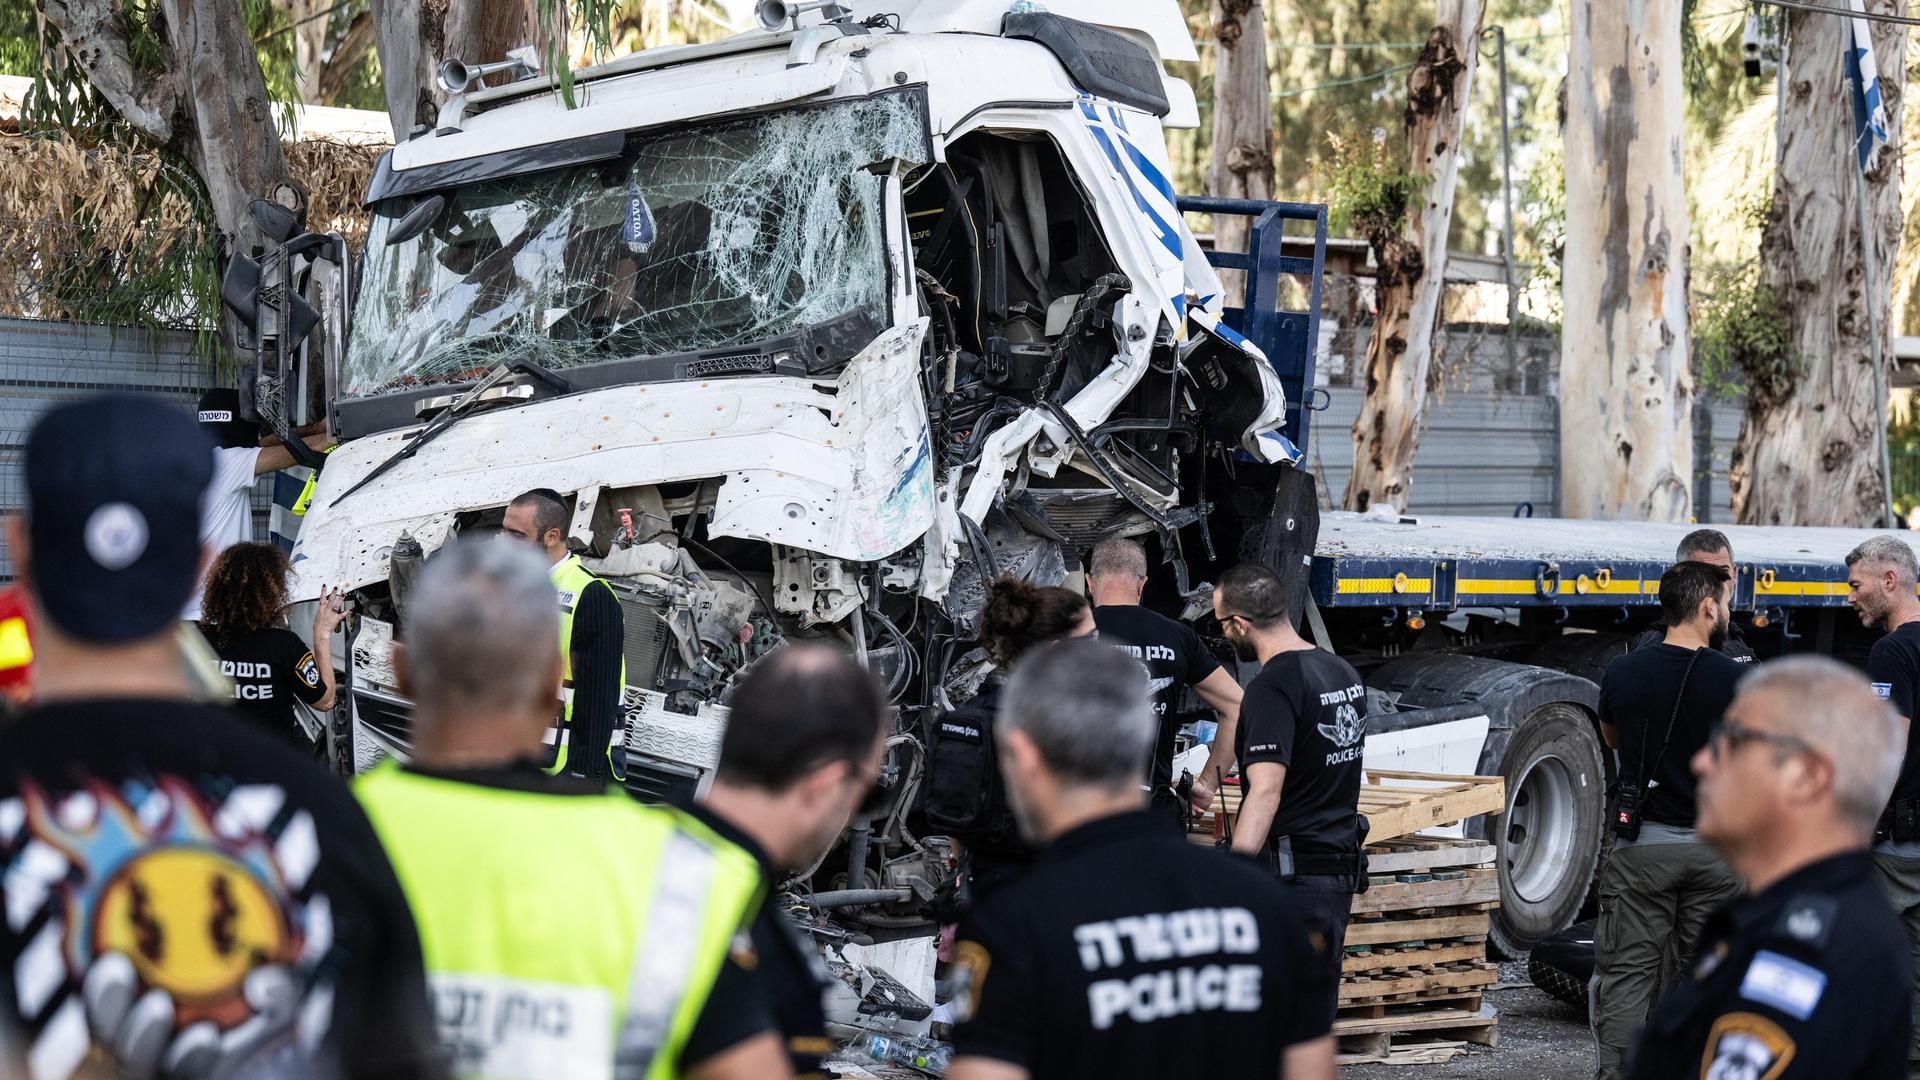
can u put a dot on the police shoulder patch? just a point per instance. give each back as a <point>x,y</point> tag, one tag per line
<point>1746,1046</point>
<point>307,672</point>
<point>970,961</point>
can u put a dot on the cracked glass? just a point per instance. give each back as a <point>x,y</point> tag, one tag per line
<point>699,238</point>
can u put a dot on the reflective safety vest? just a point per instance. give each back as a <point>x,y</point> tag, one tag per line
<point>564,935</point>
<point>573,580</point>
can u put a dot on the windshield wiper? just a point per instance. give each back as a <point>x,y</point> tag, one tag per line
<point>447,418</point>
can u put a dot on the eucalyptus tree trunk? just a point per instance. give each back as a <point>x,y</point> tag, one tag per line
<point>1412,263</point>
<point>414,36</point>
<point>1242,166</point>
<point>1806,454</point>
<point>206,98</point>
<point>1626,394</point>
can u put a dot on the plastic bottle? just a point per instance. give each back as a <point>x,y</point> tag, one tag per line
<point>924,1054</point>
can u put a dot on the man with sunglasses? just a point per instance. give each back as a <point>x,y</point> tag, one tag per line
<point>803,744</point>
<point>1658,706</point>
<point>1301,735</point>
<point>1808,975</point>
<point>1881,575</point>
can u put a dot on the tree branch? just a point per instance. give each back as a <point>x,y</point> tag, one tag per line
<point>95,32</point>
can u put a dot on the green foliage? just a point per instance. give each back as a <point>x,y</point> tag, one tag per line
<point>1742,336</point>
<point>1367,186</point>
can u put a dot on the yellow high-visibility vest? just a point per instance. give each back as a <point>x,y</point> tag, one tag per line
<point>564,935</point>
<point>573,579</point>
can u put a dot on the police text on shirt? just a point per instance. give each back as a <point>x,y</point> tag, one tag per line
<point>1195,934</point>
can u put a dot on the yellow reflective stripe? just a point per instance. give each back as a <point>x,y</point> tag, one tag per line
<point>663,972</point>
<point>305,499</point>
<point>1800,588</point>
<point>1383,585</point>
<point>1481,586</point>
<point>16,647</point>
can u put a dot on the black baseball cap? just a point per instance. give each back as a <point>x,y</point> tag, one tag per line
<point>114,486</point>
<point>219,417</point>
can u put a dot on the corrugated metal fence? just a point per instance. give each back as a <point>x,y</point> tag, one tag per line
<point>1486,454</point>
<point>1481,454</point>
<point>44,363</point>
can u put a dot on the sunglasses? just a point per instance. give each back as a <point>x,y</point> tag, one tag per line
<point>1732,735</point>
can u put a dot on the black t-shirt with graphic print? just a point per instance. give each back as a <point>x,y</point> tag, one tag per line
<point>1174,656</point>
<point>183,889</point>
<point>1307,710</point>
<point>270,668</point>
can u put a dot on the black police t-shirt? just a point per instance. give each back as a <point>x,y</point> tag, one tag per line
<point>1307,710</point>
<point>1127,951</point>
<point>1893,666</point>
<point>1175,658</point>
<point>1637,696</point>
<point>175,883</point>
<point>270,669</point>
<point>1809,980</point>
<point>1735,648</point>
<point>788,983</point>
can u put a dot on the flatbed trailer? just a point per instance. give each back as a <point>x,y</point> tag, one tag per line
<point>1482,640</point>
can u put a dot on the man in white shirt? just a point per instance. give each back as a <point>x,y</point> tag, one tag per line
<point>240,457</point>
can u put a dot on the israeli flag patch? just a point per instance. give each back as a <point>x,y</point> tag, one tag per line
<point>1787,985</point>
<point>1884,689</point>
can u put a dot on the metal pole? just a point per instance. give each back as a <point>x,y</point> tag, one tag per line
<point>1506,222</point>
<point>1869,271</point>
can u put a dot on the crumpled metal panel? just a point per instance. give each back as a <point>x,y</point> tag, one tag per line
<point>839,468</point>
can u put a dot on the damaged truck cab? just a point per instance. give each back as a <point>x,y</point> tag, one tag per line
<point>817,330</point>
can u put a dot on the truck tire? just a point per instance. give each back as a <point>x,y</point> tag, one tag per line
<point>1549,838</point>
<point>1585,655</point>
<point>1542,740</point>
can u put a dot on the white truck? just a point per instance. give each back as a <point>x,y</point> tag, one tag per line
<point>820,327</point>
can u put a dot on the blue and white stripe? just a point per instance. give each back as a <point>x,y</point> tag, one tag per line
<point>1144,176</point>
<point>1863,83</point>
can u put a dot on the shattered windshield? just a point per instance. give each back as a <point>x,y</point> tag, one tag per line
<point>694,239</point>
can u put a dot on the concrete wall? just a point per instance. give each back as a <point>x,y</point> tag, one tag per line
<point>45,363</point>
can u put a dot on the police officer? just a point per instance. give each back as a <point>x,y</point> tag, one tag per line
<point>568,930</point>
<point>1807,976</point>
<point>1303,723</point>
<point>1707,546</point>
<point>802,745</point>
<point>1880,587</point>
<point>1125,951</point>
<point>1175,658</point>
<point>592,643</point>
<point>1658,706</point>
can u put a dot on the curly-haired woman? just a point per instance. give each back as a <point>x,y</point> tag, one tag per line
<point>965,797</point>
<point>244,619</point>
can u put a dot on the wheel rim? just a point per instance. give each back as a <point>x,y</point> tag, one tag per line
<point>1539,829</point>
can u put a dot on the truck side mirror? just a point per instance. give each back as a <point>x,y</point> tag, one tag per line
<point>416,220</point>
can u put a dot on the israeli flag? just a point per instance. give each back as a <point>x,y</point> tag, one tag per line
<point>1863,80</point>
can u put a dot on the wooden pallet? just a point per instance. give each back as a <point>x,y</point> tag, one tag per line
<point>1399,803</point>
<point>1395,804</point>
<point>1477,1027</point>
<point>1457,888</point>
<point>1423,985</point>
<point>1398,957</point>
